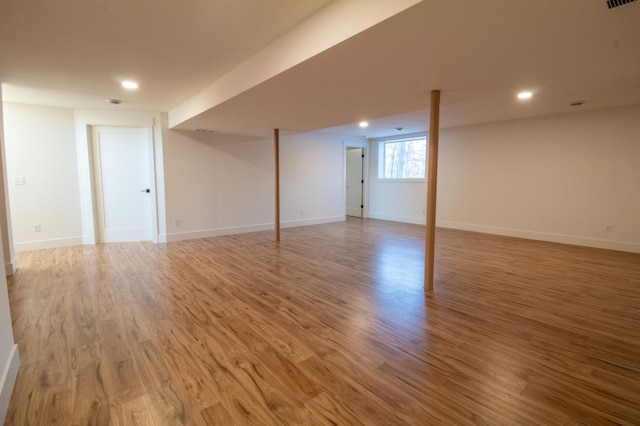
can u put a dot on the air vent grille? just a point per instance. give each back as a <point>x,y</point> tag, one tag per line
<point>615,3</point>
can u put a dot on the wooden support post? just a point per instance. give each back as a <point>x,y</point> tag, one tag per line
<point>276,148</point>
<point>432,186</point>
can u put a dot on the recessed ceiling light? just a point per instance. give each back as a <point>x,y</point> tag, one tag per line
<point>364,124</point>
<point>131,85</point>
<point>525,95</point>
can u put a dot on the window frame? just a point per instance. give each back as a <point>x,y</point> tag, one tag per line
<point>404,138</point>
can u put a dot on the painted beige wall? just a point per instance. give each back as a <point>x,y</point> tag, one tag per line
<point>40,146</point>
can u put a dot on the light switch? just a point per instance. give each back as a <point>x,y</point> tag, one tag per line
<point>18,180</point>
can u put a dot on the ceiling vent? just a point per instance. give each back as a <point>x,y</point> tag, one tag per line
<point>615,3</point>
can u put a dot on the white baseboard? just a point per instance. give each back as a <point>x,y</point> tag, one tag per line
<point>308,222</point>
<point>11,268</point>
<point>519,233</point>
<point>8,380</point>
<point>395,218</point>
<point>544,236</point>
<point>207,233</point>
<point>191,235</point>
<point>45,244</point>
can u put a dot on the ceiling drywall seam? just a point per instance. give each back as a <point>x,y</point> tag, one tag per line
<point>331,25</point>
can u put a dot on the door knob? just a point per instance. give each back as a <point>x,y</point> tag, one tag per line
<point>145,190</point>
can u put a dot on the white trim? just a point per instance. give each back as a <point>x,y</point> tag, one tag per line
<point>353,211</point>
<point>366,151</point>
<point>379,147</point>
<point>545,236</point>
<point>12,267</point>
<point>394,218</point>
<point>519,233</point>
<point>46,244</point>
<point>407,136</point>
<point>148,120</point>
<point>316,221</point>
<point>207,233</point>
<point>8,380</point>
<point>402,180</point>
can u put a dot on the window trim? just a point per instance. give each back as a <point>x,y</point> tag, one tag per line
<point>404,138</point>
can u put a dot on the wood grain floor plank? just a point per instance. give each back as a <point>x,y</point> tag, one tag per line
<point>91,402</point>
<point>248,389</point>
<point>171,406</point>
<point>119,373</point>
<point>329,326</point>
<point>135,412</point>
<point>58,405</point>
<point>217,415</point>
<point>31,401</point>
<point>330,410</point>
<point>368,407</point>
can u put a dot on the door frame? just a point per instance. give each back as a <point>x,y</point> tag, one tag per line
<point>99,207</point>
<point>356,163</point>
<point>151,122</point>
<point>346,145</point>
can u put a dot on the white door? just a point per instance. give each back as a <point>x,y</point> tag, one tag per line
<point>354,181</point>
<point>122,184</point>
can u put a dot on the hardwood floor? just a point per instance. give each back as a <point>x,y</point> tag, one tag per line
<point>331,326</point>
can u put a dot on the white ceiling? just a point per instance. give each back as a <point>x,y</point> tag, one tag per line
<point>72,53</point>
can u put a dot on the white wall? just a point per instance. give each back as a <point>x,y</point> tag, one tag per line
<point>214,185</point>
<point>398,201</point>
<point>40,146</point>
<point>9,359</point>
<point>311,179</point>
<point>559,178</point>
<point>221,184</point>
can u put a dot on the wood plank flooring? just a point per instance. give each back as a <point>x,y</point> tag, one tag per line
<point>331,326</point>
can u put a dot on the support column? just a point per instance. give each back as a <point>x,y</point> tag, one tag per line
<point>432,186</point>
<point>276,148</point>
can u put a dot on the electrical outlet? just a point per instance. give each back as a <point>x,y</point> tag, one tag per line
<point>18,180</point>
<point>176,222</point>
<point>301,212</point>
<point>608,229</point>
<point>36,227</point>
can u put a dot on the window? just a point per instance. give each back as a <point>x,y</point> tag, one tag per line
<point>402,159</point>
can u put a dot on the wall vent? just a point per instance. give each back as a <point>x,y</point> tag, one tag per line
<point>615,3</point>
